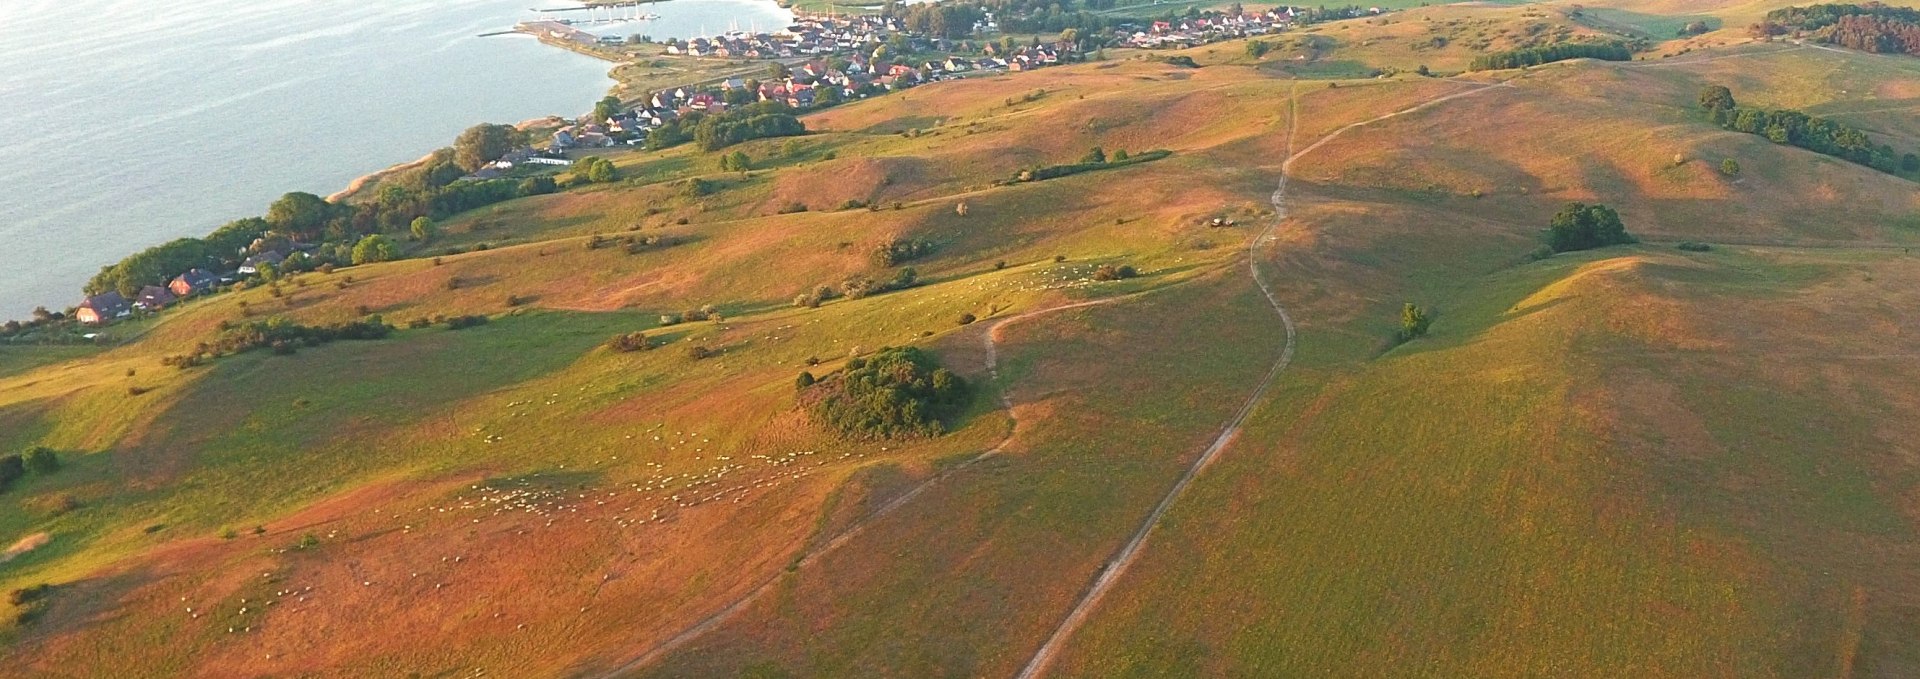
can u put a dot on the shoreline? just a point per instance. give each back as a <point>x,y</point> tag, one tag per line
<point>361,182</point>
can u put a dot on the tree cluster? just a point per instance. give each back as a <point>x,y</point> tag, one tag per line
<point>595,170</point>
<point>897,392</point>
<point>897,251</point>
<point>1794,128</point>
<point>1535,56</point>
<point>1579,226</point>
<point>39,460</point>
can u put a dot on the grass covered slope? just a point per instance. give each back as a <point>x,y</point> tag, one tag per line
<point>1626,462</point>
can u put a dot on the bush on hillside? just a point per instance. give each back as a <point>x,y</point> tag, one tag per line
<point>41,460</point>
<point>1413,322</point>
<point>1691,246</point>
<point>897,251</point>
<point>1579,226</point>
<point>464,322</point>
<point>897,392</point>
<point>1109,272</point>
<point>630,342</point>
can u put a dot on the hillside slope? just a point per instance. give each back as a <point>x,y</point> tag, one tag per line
<point>1630,461</point>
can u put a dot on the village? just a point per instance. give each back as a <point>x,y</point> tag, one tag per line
<point>819,61</point>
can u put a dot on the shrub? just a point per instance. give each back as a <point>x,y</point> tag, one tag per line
<point>792,208</point>
<point>1690,246</point>
<point>897,392</point>
<point>41,460</point>
<point>517,300</point>
<point>966,319</point>
<point>630,342</point>
<point>1413,322</point>
<point>1730,167</point>
<point>1109,272</point>
<point>805,380</point>
<point>699,353</point>
<point>815,298</point>
<point>464,322</point>
<point>899,250</point>
<point>1059,258</point>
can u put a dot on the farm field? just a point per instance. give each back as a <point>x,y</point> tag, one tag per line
<point>1636,460</point>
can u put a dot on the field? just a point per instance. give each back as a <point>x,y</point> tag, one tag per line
<point>1634,461</point>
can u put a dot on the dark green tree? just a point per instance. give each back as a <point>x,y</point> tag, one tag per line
<point>482,144</point>
<point>300,214</point>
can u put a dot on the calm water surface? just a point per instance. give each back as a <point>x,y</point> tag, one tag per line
<point>131,122</point>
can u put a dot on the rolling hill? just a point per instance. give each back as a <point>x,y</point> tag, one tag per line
<point>1630,461</point>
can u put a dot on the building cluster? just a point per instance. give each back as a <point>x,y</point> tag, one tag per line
<point>813,84</point>
<point>810,35</point>
<point>1180,33</point>
<point>111,306</point>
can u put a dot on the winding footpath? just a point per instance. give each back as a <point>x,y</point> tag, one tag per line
<point>990,339</point>
<point>1122,560</point>
<point>1128,553</point>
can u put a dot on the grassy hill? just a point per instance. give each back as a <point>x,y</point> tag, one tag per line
<point>1630,461</point>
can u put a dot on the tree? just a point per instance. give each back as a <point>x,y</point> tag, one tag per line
<point>1257,48</point>
<point>1717,98</point>
<point>1413,322</point>
<point>1579,226</point>
<point>735,162</point>
<point>606,109</point>
<point>1730,167</point>
<point>482,144</point>
<point>1095,155</point>
<point>300,214</point>
<point>41,460</point>
<point>595,169</point>
<point>374,248</point>
<point>423,229</point>
<point>779,71</point>
<point>1119,155</point>
<point>1910,162</point>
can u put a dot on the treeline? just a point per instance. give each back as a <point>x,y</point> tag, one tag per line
<point>431,190</point>
<point>1535,56</point>
<point>1813,133</point>
<point>1095,160</point>
<point>1872,27</point>
<point>712,132</point>
<point>1816,17</point>
<point>280,335</point>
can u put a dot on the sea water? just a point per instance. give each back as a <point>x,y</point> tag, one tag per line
<point>126,123</point>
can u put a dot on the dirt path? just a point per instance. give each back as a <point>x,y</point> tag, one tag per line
<point>1125,558</point>
<point>990,337</point>
<point>1118,565</point>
